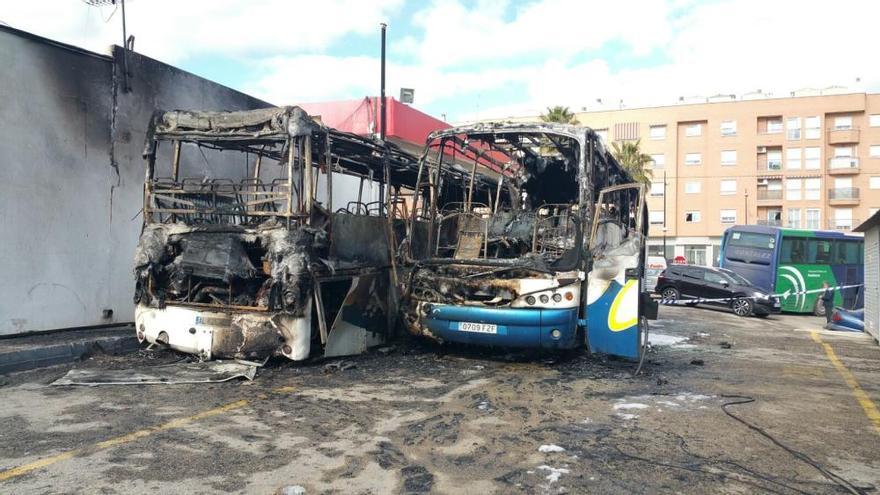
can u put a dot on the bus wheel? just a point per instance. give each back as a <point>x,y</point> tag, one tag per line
<point>742,307</point>
<point>670,294</point>
<point>819,308</point>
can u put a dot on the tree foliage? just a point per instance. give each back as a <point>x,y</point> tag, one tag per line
<point>560,115</point>
<point>631,158</point>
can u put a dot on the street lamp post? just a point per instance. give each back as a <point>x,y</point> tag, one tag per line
<point>664,214</point>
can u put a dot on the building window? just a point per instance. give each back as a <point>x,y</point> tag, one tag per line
<point>692,216</point>
<point>693,130</point>
<point>794,218</point>
<point>813,128</point>
<point>728,186</point>
<point>728,128</point>
<point>728,157</point>
<point>793,158</point>
<point>693,159</point>
<point>655,217</point>
<point>695,255</point>
<point>843,218</point>
<point>657,132</point>
<point>874,151</point>
<point>728,216</point>
<point>693,187</point>
<point>774,126</point>
<point>657,189</point>
<point>812,189</point>
<point>793,128</point>
<point>774,160</point>
<point>812,157</point>
<point>659,160</point>
<point>626,131</point>
<point>793,189</point>
<point>843,123</point>
<point>874,120</point>
<point>874,182</point>
<point>812,218</point>
<point>843,151</point>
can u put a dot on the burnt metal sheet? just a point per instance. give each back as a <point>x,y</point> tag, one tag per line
<point>166,374</point>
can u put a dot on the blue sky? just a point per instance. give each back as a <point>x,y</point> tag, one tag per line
<point>489,58</point>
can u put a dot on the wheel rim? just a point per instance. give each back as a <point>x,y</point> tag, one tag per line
<point>741,307</point>
<point>669,295</point>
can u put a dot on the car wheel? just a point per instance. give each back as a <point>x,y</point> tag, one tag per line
<point>670,294</point>
<point>819,308</point>
<point>742,307</point>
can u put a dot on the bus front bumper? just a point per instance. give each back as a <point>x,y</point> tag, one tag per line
<point>503,327</point>
<point>214,334</point>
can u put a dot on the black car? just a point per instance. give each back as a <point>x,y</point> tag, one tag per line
<point>683,282</point>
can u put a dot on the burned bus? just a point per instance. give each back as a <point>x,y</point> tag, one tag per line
<point>526,235</point>
<point>266,232</point>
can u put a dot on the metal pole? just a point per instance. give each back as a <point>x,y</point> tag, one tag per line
<point>382,197</point>
<point>746,210</point>
<point>664,214</point>
<point>125,86</point>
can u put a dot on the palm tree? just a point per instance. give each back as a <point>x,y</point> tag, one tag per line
<point>559,114</point>
<point>631,158</point>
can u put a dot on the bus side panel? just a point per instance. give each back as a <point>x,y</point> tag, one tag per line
<point>613,317</point>
<point>795,279</point>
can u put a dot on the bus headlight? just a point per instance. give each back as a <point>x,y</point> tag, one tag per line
<point>544,298</point>
<point>530,300</point>
<point>557,297</point>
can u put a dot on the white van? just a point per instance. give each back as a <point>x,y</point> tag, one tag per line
<point>656,265</point>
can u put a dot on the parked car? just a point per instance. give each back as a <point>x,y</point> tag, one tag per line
<point>656,265</point>
<point>683,282</point>
<point>847,320</point>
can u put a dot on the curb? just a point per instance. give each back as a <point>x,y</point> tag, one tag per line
<point>49,355</point>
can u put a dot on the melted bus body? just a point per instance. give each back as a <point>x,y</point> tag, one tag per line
<point>250,249</point>
<point>526,235</point>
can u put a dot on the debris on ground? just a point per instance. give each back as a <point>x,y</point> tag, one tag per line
<point>697,362</point>
<point>725,345</point>
<point>550,448</point>
<point>165,374</point>
<point>339,366</point>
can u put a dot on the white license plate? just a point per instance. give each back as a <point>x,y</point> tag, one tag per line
<point>467,326</point>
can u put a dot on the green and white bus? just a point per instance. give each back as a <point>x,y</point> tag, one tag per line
<point>793,263</point>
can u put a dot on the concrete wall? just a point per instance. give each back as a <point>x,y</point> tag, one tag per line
<point>71,176</point>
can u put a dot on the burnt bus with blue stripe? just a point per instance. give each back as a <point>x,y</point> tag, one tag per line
<point>525,235</point>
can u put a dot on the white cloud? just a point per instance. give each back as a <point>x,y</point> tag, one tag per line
<point>172,30</point>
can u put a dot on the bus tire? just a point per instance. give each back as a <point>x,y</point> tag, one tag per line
<point>670,294</point>
<point>819,308</point>
<point>741,307</point>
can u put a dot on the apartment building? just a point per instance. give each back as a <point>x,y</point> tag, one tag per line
<point>803,161</point>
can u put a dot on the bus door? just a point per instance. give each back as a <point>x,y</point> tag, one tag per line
<point>616,304</point>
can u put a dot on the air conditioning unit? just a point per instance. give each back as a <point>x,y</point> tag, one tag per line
<point>762,149</point>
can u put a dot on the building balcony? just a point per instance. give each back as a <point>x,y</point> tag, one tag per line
<point>843,136</point>
<point>843,196</point>
<point>769,223</point>
<point>846,224</point>
<point>843,165</point>
<point>768,196</point>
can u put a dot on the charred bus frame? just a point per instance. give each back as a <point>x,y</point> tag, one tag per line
<point>236,264</point>
<point>551,254</point>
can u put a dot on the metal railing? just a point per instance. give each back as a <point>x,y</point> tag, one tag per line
<point>765,194</point>
<point>770,223</point>
<point>843,162</point>
<point>842,223</point>
<point>844,193</point>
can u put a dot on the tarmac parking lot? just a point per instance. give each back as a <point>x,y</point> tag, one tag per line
<point>422,418</point>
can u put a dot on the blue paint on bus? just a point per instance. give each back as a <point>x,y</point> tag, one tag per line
<point>515,327</point>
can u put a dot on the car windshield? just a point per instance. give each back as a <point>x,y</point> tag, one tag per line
<point>736,278</point>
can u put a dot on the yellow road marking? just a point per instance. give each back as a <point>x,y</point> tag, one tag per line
<point>130,437</point>
<point>867,404</point>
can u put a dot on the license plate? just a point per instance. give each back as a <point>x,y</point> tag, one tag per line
<point>467,326</point>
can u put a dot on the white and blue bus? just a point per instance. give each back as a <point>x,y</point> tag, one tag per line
<point>526,235</point>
